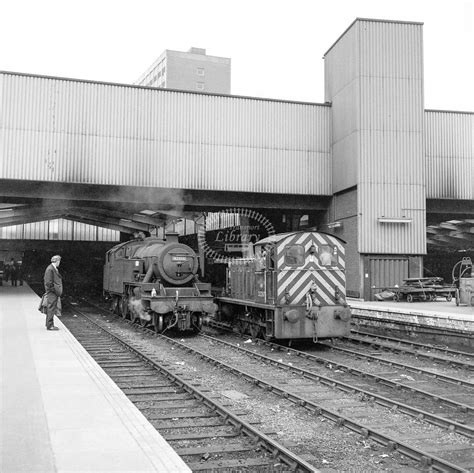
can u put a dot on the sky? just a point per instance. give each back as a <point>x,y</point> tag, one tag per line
<point>276,46</point>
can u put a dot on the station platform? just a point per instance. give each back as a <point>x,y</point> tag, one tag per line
<point>439,314</point>
<point>60,412</point>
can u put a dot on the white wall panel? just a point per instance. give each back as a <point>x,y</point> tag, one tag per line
<point>14,232</point>
<point>391,180</point>
<point>58,229</point>
<point>391,157</point>
<point>96,133</point>
<point>391,49</point>
<point>449,155</point>
<point>342,83</point>
<point>393,201</point>
<point>345,162</point>
<point>341,63</point>
<point>84,232</point>
<point>376,69</point>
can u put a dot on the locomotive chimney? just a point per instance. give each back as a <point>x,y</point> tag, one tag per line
<point>172,237</point>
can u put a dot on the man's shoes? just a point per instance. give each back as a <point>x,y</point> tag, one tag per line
<point>52,328</point>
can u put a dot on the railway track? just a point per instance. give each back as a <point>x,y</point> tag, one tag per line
<point>453,336</point>
<point>444,356</point>
<point>438,448</point>
<point>426,397</point>
<point>296,377</point>
<point>203,432</point>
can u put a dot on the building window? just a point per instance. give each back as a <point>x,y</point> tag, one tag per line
<point>199,85</point>
<point>200,71</point>
<point>304,221</point>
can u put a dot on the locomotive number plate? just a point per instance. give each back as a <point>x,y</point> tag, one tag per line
<point>179,258</point>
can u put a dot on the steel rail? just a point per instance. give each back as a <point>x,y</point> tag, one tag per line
<point>274,448</point>
<point>426,459</point>
<point>375,377</point>
<point>381,400</point>
<point>410,368</point>
<point>392,443</point>
<point>448,361</point>
<point>448,351</point>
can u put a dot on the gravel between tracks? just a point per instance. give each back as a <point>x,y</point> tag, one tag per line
<point>328,447</point>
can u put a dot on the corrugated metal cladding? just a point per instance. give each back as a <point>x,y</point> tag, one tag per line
<point>386,272</point>
<point>378,130</point>
<point>391,138</point>
<point>73,131</point>
<point>389,270</point>
<point>342,90</point>
<point>449,155</point>
<point>59,229</point>
<point>341,63</point>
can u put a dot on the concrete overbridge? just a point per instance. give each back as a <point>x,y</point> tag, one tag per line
<point>129,209</point>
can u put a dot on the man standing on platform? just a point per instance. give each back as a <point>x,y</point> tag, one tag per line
<point>53,286</point>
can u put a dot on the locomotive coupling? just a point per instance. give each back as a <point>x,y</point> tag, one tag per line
<point>313,313</point>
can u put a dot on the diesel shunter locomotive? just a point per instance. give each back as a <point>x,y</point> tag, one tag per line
<point>154,282</point>
<point>293,288</point>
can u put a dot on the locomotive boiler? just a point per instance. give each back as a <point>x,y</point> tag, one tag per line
<point>154,282</point>
<point>293,288</point>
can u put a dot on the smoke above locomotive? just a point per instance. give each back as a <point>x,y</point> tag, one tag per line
<point>155,282</point>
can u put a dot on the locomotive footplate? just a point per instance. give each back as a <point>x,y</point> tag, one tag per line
<point>286,321</point>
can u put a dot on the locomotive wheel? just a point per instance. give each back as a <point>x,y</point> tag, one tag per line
<point>266,337</point>
<point>242,326</point>
<point>255,329</point>
<point>396,297</point>
<point>410,298</point>
<point>197,322</point>
<point>158,323</point>
<point>124,310</point>
<point>114,306</point>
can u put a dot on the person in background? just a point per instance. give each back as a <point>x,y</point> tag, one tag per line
<point>13,272</point>
<point>6,272</point>
<point>20,272</point>
<point>53,286</point>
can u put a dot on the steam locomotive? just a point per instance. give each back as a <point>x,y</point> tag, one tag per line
<point>154,282</point>
<point>293,288</point>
